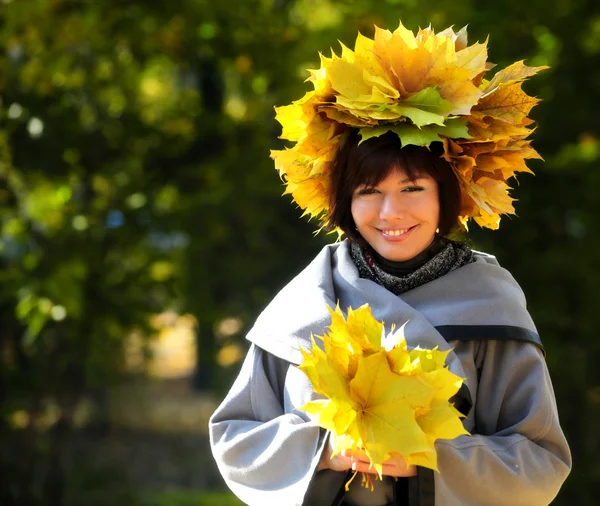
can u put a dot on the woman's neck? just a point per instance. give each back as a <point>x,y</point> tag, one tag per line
<point>406,267</point>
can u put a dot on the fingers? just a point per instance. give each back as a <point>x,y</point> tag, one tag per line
<point>343,461</point>
<point>388,469</point>
<point>353,456</point>
<point>359,455</point>
<point>394,466</point>
<point>337,463</point>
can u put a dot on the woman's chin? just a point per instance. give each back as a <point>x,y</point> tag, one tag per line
<point>396,252</point>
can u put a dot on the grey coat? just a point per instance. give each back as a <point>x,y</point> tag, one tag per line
<point>268,451</point>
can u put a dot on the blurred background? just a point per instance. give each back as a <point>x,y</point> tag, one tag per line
<point>143,229</point>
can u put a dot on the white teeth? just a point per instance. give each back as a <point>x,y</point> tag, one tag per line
<point>395,232</point>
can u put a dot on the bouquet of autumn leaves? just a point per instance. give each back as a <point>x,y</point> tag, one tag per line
<point>381,397</point>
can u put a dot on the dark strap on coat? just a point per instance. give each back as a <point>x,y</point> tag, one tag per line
<point>339,498</point>
<point>489,333</point>
<point>421,489</point>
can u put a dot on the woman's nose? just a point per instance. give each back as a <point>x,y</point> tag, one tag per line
<point>392,207</point>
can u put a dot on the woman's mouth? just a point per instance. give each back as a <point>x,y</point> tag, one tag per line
<point>396,234</point>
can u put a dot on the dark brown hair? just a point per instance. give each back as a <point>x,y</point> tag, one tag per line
<point>371,161</point>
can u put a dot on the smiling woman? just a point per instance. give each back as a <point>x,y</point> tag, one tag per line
<point>396,163</point>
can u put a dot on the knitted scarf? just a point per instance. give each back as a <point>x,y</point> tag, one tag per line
<point>442,257</point>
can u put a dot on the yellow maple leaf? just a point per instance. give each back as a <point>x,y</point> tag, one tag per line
<point>379,395</point>
<point>506,102</point>
<point>441,419</point>
<point>336,113</point>
<point>515,72</point>
<point>387,409</point>
<point>340,342</point>
<point>486,128</point>
<point>305,167</point>
<point>365,329</point>
<point>430,59</point>
<point>324,375</point>
<point>296,117</point>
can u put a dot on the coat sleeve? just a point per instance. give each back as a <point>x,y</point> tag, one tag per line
<point>519,455</point>
<point>266,456</point>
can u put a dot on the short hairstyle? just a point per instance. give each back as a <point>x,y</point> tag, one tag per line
<point>371,161</point>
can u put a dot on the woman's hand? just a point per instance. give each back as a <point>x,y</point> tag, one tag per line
<point>341,462</point>
<point>357,460</point>
<point>394,466</point>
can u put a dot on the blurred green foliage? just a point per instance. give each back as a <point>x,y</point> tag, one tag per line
<point>134,178</point>
<point>178,498</point>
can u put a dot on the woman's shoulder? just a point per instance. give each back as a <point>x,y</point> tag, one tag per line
<point>483,257</point>
<point>486,274</point>
<point>299,309</point>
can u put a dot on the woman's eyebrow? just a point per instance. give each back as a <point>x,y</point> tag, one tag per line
<point>412,179</point>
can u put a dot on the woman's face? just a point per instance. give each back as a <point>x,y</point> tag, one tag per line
<point>397,217</point>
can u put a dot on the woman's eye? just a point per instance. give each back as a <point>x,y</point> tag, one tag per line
<point>411,189</point>
<point>366,191</point>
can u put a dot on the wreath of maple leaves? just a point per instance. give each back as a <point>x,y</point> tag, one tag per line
<point>425,88</point>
